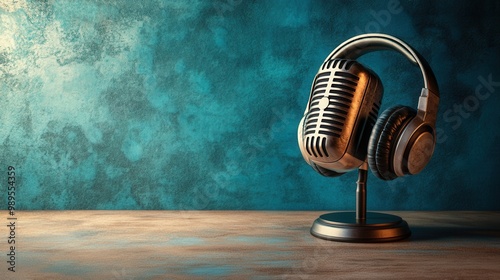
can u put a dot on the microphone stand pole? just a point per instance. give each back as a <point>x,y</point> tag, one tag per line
<point>361,193</point>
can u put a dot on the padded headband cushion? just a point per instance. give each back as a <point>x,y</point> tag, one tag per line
<point>383,140</point>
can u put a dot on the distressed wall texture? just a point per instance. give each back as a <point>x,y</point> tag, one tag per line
<point>194,105</point>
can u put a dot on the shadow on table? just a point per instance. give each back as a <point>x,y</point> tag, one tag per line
<point>437,233</point>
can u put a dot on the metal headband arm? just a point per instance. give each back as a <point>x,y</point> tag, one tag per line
<point>362,44</point>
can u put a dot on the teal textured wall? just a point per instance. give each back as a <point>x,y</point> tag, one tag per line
<point>195,105</point>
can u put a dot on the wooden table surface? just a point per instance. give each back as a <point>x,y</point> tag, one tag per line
<point>243,245</point>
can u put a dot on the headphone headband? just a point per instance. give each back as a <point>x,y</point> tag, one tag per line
<point>362,44</point>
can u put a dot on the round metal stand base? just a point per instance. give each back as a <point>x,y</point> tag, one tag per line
<point>377,227</point>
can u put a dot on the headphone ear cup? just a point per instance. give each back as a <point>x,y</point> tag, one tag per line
<point>384,138</point>
<point>325,172</point>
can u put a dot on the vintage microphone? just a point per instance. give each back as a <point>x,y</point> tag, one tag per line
<point>341,131</point>
<point>334,133</point>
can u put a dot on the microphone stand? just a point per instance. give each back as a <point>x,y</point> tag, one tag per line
<point>360,226</point>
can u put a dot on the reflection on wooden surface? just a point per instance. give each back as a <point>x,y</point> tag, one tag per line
<point>245,245</point>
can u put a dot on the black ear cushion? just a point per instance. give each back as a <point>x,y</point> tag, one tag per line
<point>383,140</point>
<point>325,172</point>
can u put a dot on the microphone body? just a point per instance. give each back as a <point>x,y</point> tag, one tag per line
<point>342,109</point>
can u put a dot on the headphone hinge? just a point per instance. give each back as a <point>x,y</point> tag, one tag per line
<point>428,106</point>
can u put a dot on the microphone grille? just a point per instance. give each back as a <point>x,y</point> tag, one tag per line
<point>331,98</point>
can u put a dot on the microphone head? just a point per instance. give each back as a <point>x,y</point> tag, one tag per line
<point>342,109</point>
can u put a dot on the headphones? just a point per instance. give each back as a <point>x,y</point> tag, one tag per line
<point>402,140</point>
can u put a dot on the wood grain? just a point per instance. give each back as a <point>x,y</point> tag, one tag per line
<point>244,245</point>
